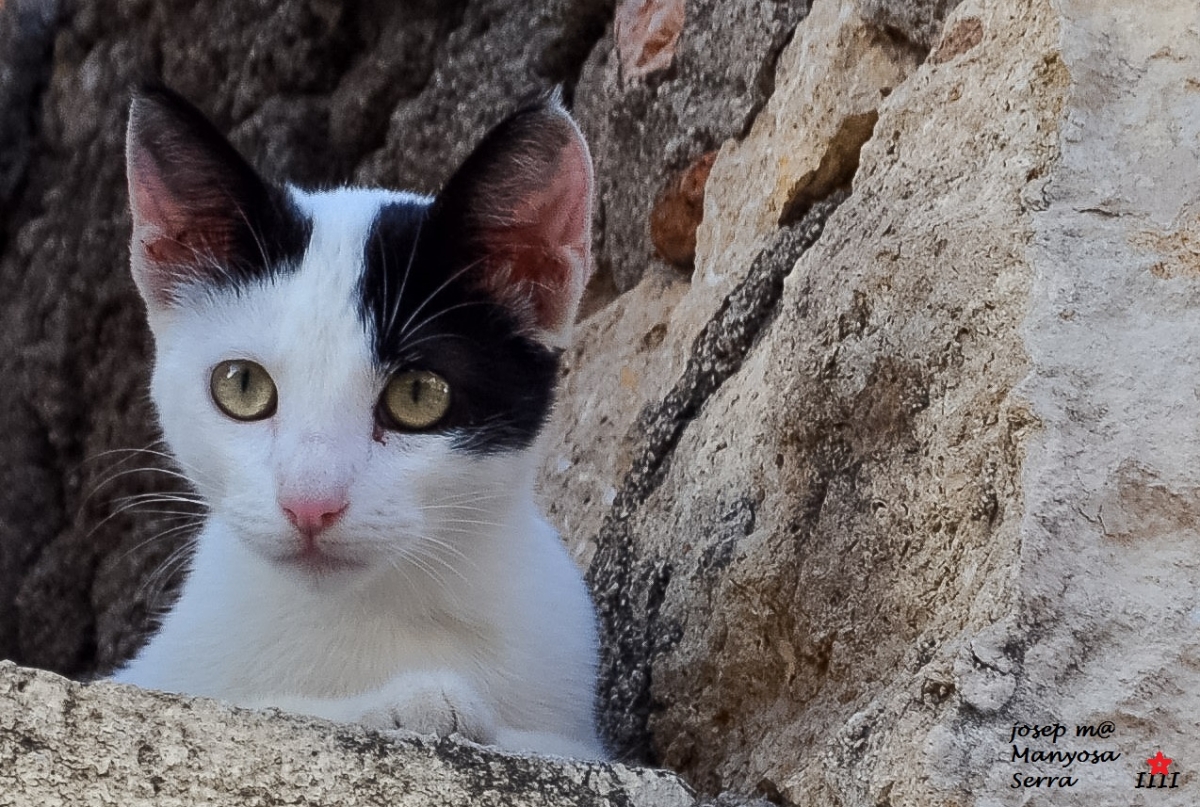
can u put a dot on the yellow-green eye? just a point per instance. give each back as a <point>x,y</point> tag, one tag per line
<point>416,399</point>
<point>243,390</point>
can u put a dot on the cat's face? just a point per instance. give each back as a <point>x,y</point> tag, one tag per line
<point>354,379</point>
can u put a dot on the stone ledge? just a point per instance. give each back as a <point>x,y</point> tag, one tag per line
<point>110,744</point>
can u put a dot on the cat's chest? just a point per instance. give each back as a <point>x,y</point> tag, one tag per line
<point>267,634</point>
<point>332,654</point>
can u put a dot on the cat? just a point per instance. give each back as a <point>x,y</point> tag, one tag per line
<point>354,381</point>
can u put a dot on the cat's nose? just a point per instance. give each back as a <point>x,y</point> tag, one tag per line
<point>313,515</point>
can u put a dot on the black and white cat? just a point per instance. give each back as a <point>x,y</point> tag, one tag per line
<point>354,381</point>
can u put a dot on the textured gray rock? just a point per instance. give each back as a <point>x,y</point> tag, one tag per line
<point>646,129</point>
<point>25,37</point>
<point>917,21</point>
<point>105,744</point>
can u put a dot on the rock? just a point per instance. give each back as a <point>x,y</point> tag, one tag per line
<point>678,213</point>
<point>26,31</point>
<point>840,70</point>
<point>869,436</point>
<point>646,32</point>
<point>62,742</point>
<point>946,486</point>
<point>966,34</point>
<point>644,132</point>
<point>917,21</point>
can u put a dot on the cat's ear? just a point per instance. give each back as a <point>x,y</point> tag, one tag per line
<point>522,206</point>
<point>199,209</point>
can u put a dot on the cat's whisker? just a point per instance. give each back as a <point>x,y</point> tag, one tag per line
<point>404,329</point>
<point>432,337</point>
<point>171,515</point>
<point>428,540</point>
<point>469,494</point>
<point>450,567</point>
<point>467,506</point>
<point>155,583</point>
<point>412,254</point>
<point>399,565</point>
<point>146,469</point>
<point>447,503</point>
<point>473,522</point>
<point>377,237</point>
<point>406,345</point>
<point>158,497</point>
<point>191,471</point>
<point>118,511</point>
<point>158,536</point>
<point>262,250</point>
<point>139,505</point>
<point>419,563</point>
<point>192,497</point>
<point>132,452</point>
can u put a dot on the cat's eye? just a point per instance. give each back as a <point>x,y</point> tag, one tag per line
<point>416,399</point>
<point>243,390</point>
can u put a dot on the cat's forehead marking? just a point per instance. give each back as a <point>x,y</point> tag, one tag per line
<point>341,220</point>
<point>309,317</point>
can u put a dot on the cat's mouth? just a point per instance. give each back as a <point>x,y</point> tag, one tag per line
<point>313,561</point>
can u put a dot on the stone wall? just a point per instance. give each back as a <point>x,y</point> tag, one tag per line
<point>877,438</point>
<point>104,744</point>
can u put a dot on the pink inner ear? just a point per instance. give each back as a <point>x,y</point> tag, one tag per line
<point>175,236</point>
<point>541,243</point>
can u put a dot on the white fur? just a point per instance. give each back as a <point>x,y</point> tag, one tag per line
<point>462,612</point>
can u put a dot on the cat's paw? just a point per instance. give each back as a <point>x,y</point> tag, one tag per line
<point>436,703</point>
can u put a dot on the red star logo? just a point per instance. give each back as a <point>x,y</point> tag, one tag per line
<point>1158,764</point>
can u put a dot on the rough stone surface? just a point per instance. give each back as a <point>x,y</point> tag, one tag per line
<point>1108,572</point>
<point>25,37</point>
<point>678,212</point>
<point>949,489</point>
<point>847,506</point>
<point>646,33</point>
<point>645,131</point>
<point>918,21</point>
<point>106,744</point>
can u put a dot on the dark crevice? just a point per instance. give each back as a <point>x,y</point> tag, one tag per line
<point>27,29</point>
<point>583,26</point>
<point>419,34</point>
<point>630,589</point>
<point>718,353</point>
<point>764,80</point>
<point>836,171</point>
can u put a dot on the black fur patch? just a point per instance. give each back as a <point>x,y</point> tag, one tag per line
<point>420,303</point>
<point>268,233</point>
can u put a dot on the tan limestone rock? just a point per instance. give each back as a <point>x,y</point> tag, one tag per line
<point>949,489</point>
<point>829,85</point>
<point>111,745</point>
<point>874,441</point>
<point>615,365</point>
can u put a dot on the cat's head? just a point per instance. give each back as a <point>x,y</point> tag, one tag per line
<point>354,379</point>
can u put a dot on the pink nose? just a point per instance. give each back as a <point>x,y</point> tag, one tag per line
<point>312,516</point>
